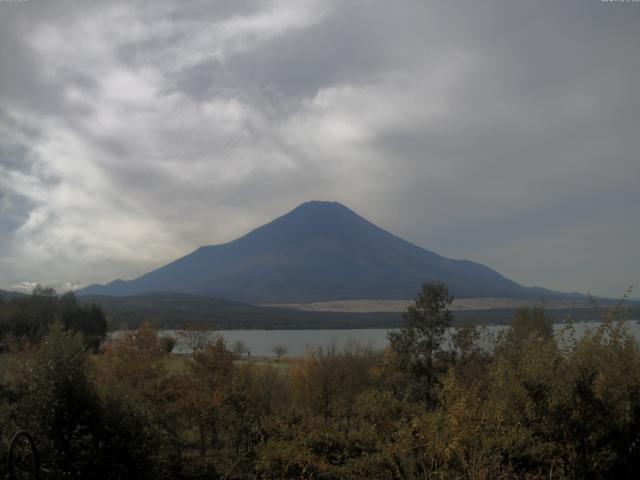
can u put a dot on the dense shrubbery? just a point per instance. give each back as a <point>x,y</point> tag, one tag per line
<point>534,405</point>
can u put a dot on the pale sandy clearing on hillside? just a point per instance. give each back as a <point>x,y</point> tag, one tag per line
<point>369,305</point>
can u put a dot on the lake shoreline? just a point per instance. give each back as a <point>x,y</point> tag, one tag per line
<point>298,342</point>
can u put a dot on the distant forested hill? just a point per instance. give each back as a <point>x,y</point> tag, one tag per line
<point>5,295</point>
<point>176,310</point>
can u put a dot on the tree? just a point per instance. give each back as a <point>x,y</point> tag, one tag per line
<point>140,395</point>
<point>196,336</point>
<point>95,326</point>
<point>418,344</point>
<point>530,322</point>
<point>211,372</point>
<point>29,318</point>
<point>470,355</point>
<point>240,348</point>
<point>168,343</point>
<point>134,366</point>
<point>279,351</point>
<point>61,406</point>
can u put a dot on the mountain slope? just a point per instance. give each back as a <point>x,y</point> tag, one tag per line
<point>318,251</point>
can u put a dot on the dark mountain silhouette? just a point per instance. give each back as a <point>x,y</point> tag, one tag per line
<point>319,251</point>
<point>8,295</point>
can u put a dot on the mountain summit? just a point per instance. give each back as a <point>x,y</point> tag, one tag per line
<point>317,252</point>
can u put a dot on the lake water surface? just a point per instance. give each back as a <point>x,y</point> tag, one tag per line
<point>298,342</point>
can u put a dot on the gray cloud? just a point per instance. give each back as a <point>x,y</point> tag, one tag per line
<point>502,132</point>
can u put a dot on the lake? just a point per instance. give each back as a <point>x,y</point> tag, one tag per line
<point>298,342</point>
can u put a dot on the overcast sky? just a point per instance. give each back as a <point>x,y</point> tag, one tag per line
<point>498,131</point>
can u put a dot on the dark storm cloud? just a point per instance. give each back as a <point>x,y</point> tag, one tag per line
<point>503,132</point>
